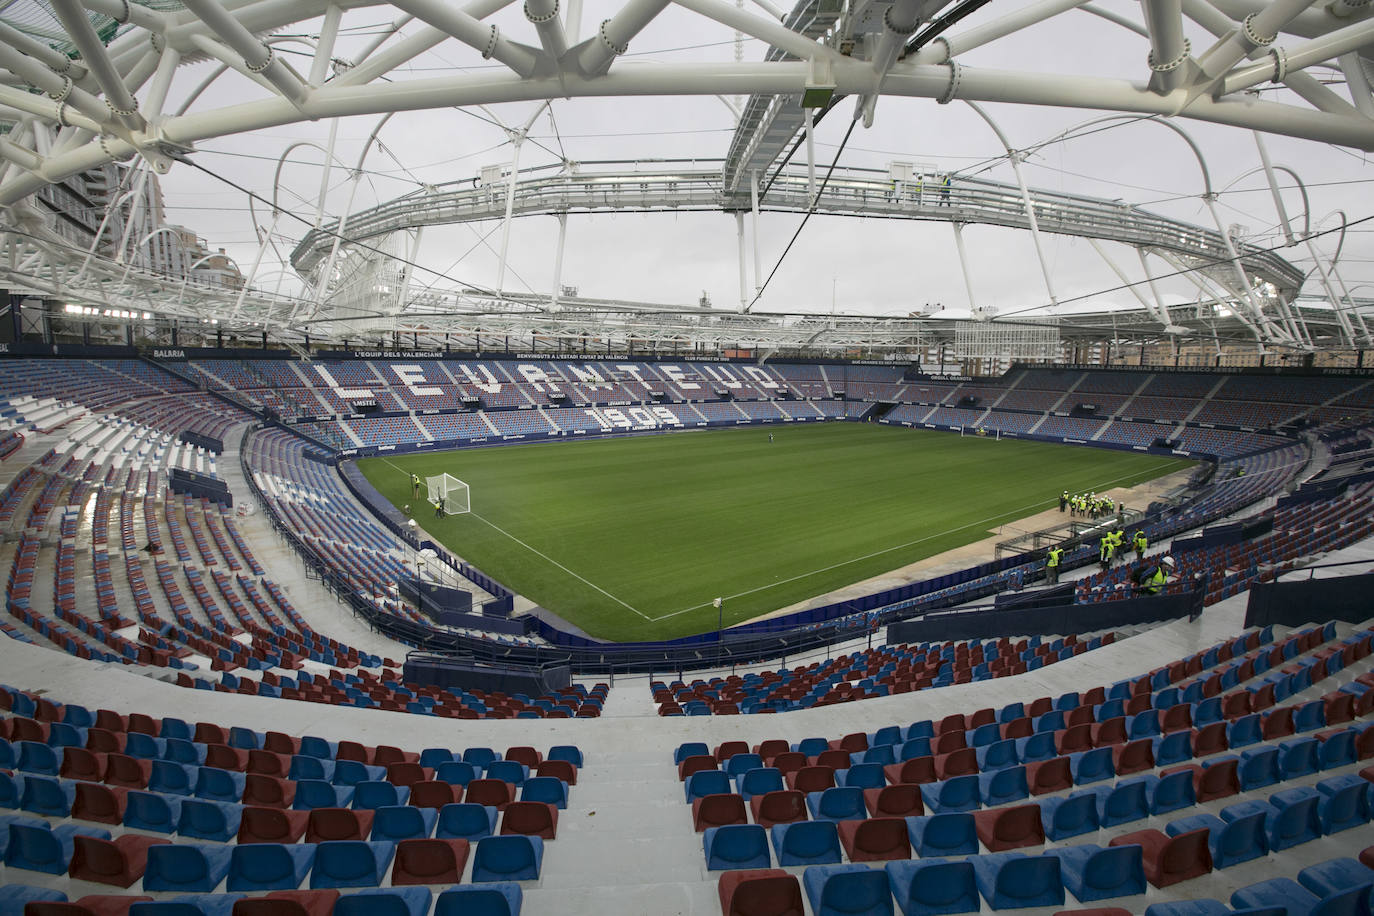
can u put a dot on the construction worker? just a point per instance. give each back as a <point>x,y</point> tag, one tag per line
<point>414,486</point>
<point>1052,564</point>
<point>1141,544</point>
<point>1063,500</point>
<point>1118,542</point>
<point>1152,580</point>
<point>1106,546</point>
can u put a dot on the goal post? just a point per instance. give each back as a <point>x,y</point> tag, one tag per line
<point>449,490</point>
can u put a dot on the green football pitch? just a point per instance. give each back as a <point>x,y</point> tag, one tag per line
<point>632,538</point>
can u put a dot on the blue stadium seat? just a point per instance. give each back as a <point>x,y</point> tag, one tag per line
<point>186,868</point>
<point>840,890</point>
<point>433,756</point>
<point>516,858</point>
<point>1013,879</point>
<point>1092,872</point>
<point>740,763</point>
<point>810,746</point>
<point>1259,767</point>
<point>396,823</point>
<point>864,775</point>
<point>933,886</point>
<point>997,755</point>
<point>466,821</point>
<point>350,863</point>
<point>1039,746</point>
<point>1000,787</point>
<point>934,835</point>
<point>269,866</point>
<point>548,789</point>
<point>179,750</point>
<point>390,901</point>
<point>959,793</point>
<point>736,846</point>
<point>1335,876</point>
<point>47,796</point>
<point>1122,803</point>
<point>759,781</point>
<point>304,766</point>
<point>214,784</point>
<point>1295,818</point>
<point>170,778</point>
<point>508,771</point>
<point>838,803</point>
<point>39,759</point>
<point>1231,841</point>
<point>1092,766</point>
<point>706,782</point>
<point>1244,732</point>
<point>151,811</point>
<point>1169,793</point>
<point>1298,757</point>
<point>494,899</point>
<point>1070,815</point>
<point>569,752</point>
<point>209,820</point>
<point>1176,747</point>
<point>1337,750</point>
<point>369,794</point>
<point>1344,803</point>
<point>13,897</point>
<point>1297,900</point>
<point>316,793</point>
<point>351,772</point>
<point>806,843</point>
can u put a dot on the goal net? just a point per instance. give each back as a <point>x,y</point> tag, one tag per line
<point>450,492</point>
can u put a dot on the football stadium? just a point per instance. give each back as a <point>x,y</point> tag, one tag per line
<point>841,457</point>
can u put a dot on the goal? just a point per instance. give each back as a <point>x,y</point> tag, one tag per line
<point>451,490</point>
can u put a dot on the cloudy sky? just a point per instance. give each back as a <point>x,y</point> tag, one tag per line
<point>863,266</point>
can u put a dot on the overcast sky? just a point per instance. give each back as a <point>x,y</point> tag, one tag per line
<point>870,266</point>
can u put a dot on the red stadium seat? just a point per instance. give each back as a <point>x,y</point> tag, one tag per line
<point>429,861</point>
<point>1169,860</point>
<point>760,892</point>
<point>1009,828</point>
<point>718,811</point>
<point>875,839</point>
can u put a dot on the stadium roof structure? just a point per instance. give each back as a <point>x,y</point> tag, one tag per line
<point>84,83</point>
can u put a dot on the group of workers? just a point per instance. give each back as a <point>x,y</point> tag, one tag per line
<point>1089,505</point>
<point>1110,546</point>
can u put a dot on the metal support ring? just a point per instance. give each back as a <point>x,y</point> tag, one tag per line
<point>1256,39</point>
<point>122,112</point>
<point>892,27</point>
<point>127,13</point>
<point>62,115</point>
<point>104,138</point>
<point>956,74</point>
<point>540,20</point>
<point>611,45</point>
<point>1280,63</point>
<point>271,55</point>
<point>158,41</point>
<point>1173,64</point>
<point>492,39</point>
<point>66,90</point>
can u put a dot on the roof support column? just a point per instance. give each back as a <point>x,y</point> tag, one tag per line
<point>558,261</point>
<point>743,268</point>
<point>754,230</point>
<point>1169,48</point>
<point>963,262</point>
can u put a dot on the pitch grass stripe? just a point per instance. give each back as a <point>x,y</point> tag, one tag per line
<point>1013,513</point>
<point>540,553</point>
<point>550,559</point>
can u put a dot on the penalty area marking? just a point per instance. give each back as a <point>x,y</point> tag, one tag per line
<point>546,557</point>
<point>878,553</point>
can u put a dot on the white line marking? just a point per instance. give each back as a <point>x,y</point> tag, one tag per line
<point>550,559</point>
<point>561,566</point>
<point>822,569</point>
